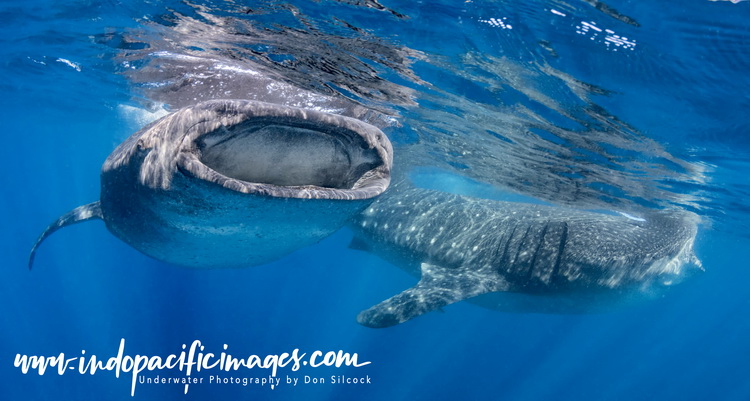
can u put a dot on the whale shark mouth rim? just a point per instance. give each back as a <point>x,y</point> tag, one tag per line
<point>176,144</point>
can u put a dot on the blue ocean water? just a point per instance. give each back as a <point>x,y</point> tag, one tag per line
<point>624,105</point>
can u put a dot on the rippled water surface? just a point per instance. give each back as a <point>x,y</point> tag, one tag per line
<point>619,105</point>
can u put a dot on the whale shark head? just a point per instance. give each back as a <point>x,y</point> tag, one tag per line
<point>230,183</point>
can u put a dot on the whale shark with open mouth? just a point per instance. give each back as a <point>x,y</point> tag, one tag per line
<point>234,183</point>
<point>523,257</point>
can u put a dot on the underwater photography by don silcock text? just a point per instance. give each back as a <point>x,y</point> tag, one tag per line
<point>375,200</point>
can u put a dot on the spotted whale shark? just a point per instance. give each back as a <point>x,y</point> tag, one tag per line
<point>499,253</point>
<point>234,183</point>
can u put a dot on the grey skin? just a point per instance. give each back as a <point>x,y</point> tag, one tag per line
<point>233,183</point>
<point>517,256</point>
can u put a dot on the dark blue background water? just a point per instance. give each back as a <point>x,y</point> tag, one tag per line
<point>88,290</point>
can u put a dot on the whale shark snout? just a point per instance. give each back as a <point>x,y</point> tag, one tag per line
<point>232,183</point>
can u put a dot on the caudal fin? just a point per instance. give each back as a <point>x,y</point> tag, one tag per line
<point>77,215</point>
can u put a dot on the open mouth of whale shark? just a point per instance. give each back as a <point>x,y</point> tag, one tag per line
<point>286,152</point>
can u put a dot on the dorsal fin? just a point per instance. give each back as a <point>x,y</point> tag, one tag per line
<point>438,287</point>
<point>80,214</point>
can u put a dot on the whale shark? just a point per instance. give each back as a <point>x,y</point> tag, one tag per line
<point>518,256</point>
<point>234,183</point>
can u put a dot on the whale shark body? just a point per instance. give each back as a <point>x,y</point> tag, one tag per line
<point>468,248</point>
<point>233,183</point>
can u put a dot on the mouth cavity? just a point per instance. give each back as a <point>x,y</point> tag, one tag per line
<point>288,152</point>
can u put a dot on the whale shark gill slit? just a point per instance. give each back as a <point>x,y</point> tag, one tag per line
<point>560,249</point>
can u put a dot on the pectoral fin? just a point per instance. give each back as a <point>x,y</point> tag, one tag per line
<point>438,287</point>
<point>80,214</point>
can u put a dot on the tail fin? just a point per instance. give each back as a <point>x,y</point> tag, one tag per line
<point>77,215</point>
